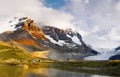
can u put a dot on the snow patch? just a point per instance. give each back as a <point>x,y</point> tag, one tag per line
<point>118,51</point>
<point>75,39</point>
<point>10,25</point>
<point>7,27</point>
<point>60,42</point>
<point>104,55</point>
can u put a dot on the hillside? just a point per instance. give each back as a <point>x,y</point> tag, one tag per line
<point>62,44</point>
<point>11,53</point>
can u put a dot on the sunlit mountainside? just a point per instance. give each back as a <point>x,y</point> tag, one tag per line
<point>60,44</point>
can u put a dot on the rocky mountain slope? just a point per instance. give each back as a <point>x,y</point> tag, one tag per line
<point>117,49</point>
<point>117,55</point>
<point>62,44</point>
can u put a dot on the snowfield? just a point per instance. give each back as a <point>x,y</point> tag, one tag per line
<point>105,54</point>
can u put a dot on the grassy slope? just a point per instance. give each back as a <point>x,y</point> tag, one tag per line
<point>40,54</point>
<point>8,52</point>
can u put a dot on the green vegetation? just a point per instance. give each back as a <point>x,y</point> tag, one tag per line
<point>5,47</point>
<point>14,56</point>
<point>82,63</point>
<point>10,54</point>
<point>111,68</point>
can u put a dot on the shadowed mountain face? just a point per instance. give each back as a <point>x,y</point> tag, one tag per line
<point>117,56</point>
<point>117,49</point>
<point>69,44</point>
<point>62,44</point>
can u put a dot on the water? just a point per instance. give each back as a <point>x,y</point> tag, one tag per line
<point>13,71</point>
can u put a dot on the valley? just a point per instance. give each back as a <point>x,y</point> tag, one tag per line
<point>60,38</point>
<point>28,47</point>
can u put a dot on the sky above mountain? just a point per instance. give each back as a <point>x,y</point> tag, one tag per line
<point>98,21</point>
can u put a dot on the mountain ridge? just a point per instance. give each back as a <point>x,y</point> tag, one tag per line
<point>63,44</point>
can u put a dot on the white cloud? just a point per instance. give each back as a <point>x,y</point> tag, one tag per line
<point>87,1</point>
<point>100,20</point>
<point>117,6</point>
<point>36,10</point>
<point>114,34</point>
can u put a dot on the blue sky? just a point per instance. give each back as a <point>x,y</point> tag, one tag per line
<point>56,4</point>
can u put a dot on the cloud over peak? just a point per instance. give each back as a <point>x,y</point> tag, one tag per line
<point>36,10</point>
<point>97,20</point>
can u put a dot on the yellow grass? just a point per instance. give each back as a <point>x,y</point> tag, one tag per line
<point>114,60</point>
<point>40,54</point>
<point>3,43</point>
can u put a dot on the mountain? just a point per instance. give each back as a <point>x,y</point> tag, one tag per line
<point>117,49</point>
<point>26,34</point>
<point>60,44</point>
<point>117,55</point>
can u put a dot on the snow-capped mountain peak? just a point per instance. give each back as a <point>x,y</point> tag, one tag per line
<point>62,37</point>
<point>12,25</point>
<point>68,44</point>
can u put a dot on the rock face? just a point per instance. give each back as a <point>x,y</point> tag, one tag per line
<point>26,35</point>
<point>117,56</point>
<point>117,49</point>
<point>69,44</point>
<point>62,44</point>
